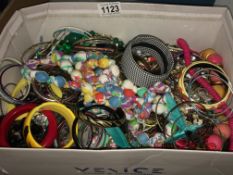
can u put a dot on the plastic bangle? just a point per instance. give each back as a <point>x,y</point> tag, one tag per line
<point>22,84</point>
<point>18,111</point>
<point>118,137</point>
<point>197,64</point>
<point>55,107</point>
<point>5,96</point>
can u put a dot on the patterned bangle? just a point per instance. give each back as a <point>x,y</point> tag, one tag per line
<point>110,119</point>
<point>134,72</point>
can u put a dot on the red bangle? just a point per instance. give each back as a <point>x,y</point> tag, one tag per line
<point>6,122</point>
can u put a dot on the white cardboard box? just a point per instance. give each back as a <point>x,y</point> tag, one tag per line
<point>202,27</point>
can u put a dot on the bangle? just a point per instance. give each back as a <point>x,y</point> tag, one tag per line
<point>70,29</point>
<point>21,85</point>
<point>18,111</point>
<point>53,92</point>
<point>102,44</point>
<point>35,51</point>
<point>134,72</point>
<point>182,88</point>
<point>112,119</point>
<point>39,88</point>
<point>11,60</point>
<point>160,67</point>
<point>5,96</point>
<point>94,49</point>
<point>95,140</point>
<point>55,107</point>
<point>221,78</point>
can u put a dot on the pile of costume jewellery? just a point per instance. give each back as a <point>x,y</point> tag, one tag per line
<point>87,90</point>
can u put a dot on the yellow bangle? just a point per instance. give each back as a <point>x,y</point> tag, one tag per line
<point>181,85</point>
<point>21,86</point>
<point>55,107</point>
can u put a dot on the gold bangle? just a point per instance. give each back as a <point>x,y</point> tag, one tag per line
<point>181,85</point>
<point>55,107</point>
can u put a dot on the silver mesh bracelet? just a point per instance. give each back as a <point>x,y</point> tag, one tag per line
<point>156,48</point>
